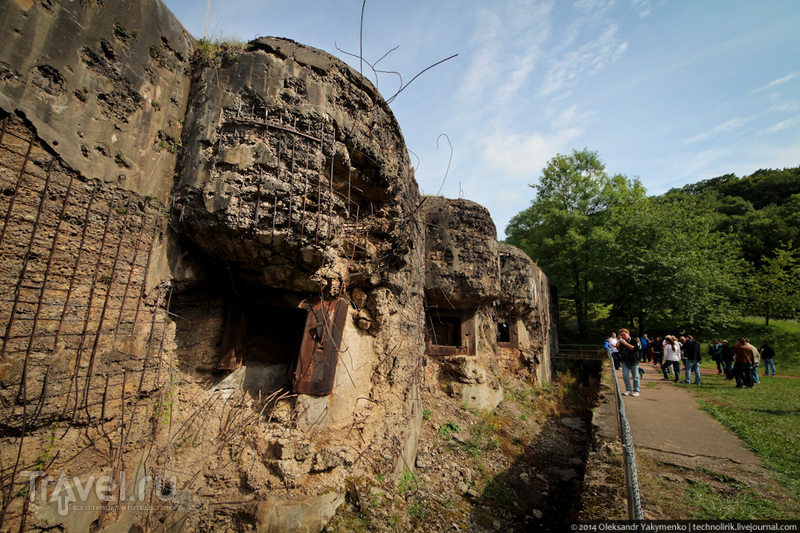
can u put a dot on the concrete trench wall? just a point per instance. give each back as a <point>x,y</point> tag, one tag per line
<point>142,197</point>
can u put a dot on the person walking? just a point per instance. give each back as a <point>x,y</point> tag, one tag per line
<point>691,350</point>
<point>756,361</point>
<point>607,346</point>
<point>629,352</point>
<point>715,351</point>
<point>614,342</point>
<point>727,358</point>
<point>767,355</point>
<point>743,361</point>
<point>672,357</point>
<point>645,350</point>
<point>658,351</point>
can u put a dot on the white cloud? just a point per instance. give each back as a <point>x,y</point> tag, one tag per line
<point>786,107</point>
<point>484,65</point>
<point>645,8</point>
<point>595,7</point>
<point>732,124</point>
<point>789,123</point>
<point>779,81</point>
<point>519,155</point>
<point>562,119</point>
<point>588,59</point>
<point>507,43</point>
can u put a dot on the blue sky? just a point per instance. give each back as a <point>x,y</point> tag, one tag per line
<point>669,91</point>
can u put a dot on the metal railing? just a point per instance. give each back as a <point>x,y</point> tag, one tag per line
<point>628,453</point>
<point>580,351</point>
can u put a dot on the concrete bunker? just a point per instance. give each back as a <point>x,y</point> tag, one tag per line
<point>462,280</point>
<point>296,181</point>
<point>525,308</point>
<point>214,234</point>
<point>487,305</point>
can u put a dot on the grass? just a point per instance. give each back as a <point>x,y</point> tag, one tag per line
<point>449,427</point>
<point>408,481</point>
<point>766,418</point>
<point>496,491</point>
<point>741,504</point>
<point>214,51</point>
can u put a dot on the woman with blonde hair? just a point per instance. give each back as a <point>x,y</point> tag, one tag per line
<point>672,357</point>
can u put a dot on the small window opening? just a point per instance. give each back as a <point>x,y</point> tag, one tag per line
<point>261,344</point>
<point>274,333</point>
<point>503,332</point>
<point>450,332</point>
<point>445,331</point>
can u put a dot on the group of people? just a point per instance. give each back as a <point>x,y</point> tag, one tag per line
<point>739,362</point>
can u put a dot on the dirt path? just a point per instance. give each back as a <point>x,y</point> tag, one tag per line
<point>681,451</point>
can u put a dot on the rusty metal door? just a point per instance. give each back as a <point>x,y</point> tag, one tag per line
<point>319,354</point>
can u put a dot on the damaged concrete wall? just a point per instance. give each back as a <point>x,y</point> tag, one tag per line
<point>87,92</point>
<point>528,305</point>
<point>104,83</point>
<point>487,305</point>
<point>296,176</point>
<point>215,278</point>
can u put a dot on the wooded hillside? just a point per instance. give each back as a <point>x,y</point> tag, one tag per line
<point>689,260</point>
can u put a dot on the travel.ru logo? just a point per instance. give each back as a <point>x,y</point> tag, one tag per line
<point>68,491</point>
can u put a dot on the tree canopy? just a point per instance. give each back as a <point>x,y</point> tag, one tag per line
<point>687,260</point>
<point>563,230</point>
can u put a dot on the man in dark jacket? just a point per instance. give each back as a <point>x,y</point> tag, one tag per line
<point>727,358</point>
<point>629,350</point>
<point>691,350</point>
<point>715,351</point>
<point>767,355</point>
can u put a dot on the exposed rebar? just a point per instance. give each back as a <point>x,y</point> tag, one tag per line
<point>16,188</point>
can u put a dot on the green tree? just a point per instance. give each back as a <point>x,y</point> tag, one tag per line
<point>563,229</point>
<point>777,285</point>
<point>669,267</point>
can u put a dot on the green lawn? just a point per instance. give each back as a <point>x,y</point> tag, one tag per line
<point>766,418</point>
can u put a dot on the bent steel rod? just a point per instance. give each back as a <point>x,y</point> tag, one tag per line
<point>144,275</point>
<point>305,191</point>
<point>17,187</point>
<point>319,181</point>
<point>92,290</point>
<point>99,332</point>
<point>74,276</point>
<point>24,270</point>
<point>291,192</point>
<point>330,204</point>
<point>130,273</point>
<point>23,273</point>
